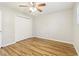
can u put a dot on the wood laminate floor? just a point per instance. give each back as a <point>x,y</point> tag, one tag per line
<point>38,47</point>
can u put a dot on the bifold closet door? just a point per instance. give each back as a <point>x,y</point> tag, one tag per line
<point>23,28</point>
<point>0,27</point>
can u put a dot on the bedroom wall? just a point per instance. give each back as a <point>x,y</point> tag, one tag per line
<point>76,27</point>
<point>57,26</point>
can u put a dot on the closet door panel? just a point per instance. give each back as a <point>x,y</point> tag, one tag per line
<point>0,27</point>
<point>22,28</point>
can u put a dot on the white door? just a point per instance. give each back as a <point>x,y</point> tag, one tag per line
<point>23,28</point>
<point>0,28</point>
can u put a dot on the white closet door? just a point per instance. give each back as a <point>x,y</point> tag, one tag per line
<point>0,28</point>
<point>23,28</point>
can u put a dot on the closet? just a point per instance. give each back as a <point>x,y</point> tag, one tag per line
<point>23,28</point>
<point>0,29</point>
<point>14,27</point>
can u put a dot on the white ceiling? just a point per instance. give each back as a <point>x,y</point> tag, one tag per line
<point>50,6</point>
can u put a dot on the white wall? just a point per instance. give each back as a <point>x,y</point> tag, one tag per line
<point>76,27</point>
<point>8,25</point>
<point>55,25</point>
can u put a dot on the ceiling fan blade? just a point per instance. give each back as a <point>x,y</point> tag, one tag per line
<point>23,6</point>
<point>40,6</point>
<point>39,10</point>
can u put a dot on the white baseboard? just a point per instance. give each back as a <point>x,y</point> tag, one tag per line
<point>53,39</point>
<point>76,48</point>
<point>8,44</point>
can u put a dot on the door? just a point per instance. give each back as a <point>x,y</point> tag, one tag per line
<point>23,28</point>
<point>0,27</point>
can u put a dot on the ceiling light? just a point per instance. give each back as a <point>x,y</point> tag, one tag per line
<point>33,9</point>
<point>31,3</point>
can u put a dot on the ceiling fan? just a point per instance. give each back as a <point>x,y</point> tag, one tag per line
<point>35,6</point>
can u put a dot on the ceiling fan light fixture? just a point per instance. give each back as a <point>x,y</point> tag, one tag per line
<point>31,3</point>
<point>33,9</point>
